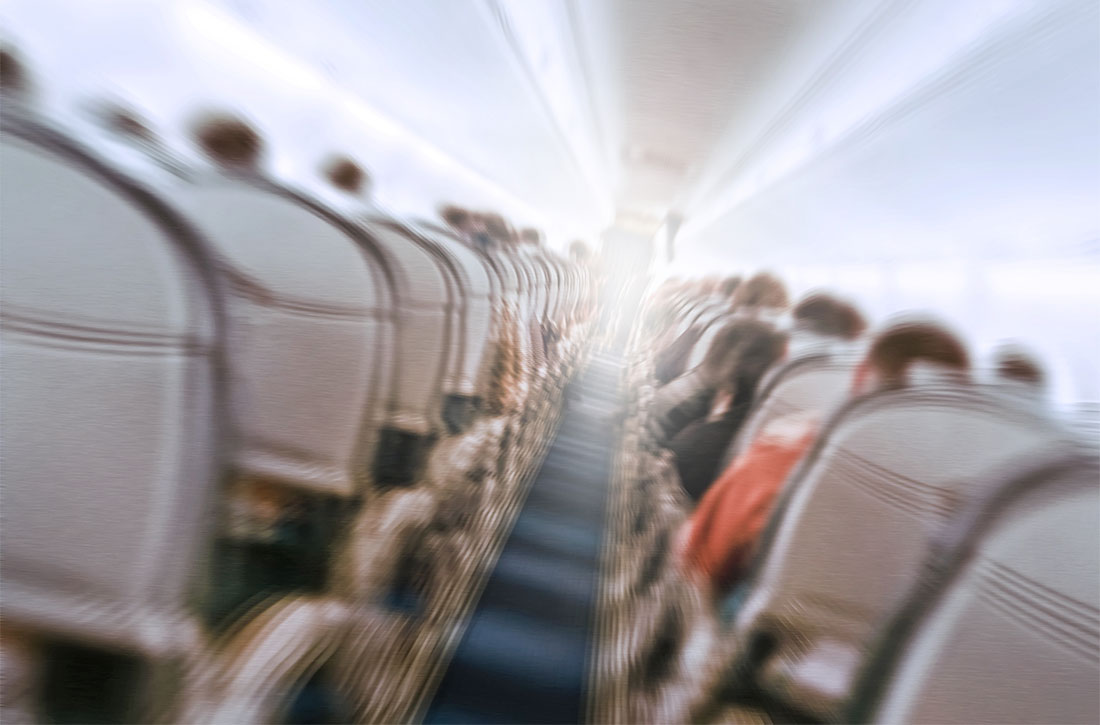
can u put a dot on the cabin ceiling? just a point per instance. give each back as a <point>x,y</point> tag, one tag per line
<point>682,73</point>
<point>659,85</point>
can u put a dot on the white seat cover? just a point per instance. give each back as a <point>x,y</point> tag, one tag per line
<point>470,374</point>
<point>424,326</point>
<point>818,382</point>
<point>713,327</point>
<point>518,298</point>
<point>308,323</point>
<point>1015,636</point>
<point>109,387</point>
<point>860,516</point>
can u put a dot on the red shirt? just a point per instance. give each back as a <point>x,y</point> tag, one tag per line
<point>722,532</point>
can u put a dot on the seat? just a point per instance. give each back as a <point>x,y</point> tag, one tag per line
<point>464,385</point>
<point>113,397</point>
<point>854,522</point>
<point>494,282</point>
<point>514,354</point>
<point>309,324</point>
<point>533,298</point>
<point>711,327</point>
<point>817,381</point>
<point>424,327</point>
<point>1004,626</point>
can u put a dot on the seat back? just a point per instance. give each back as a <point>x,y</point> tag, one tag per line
<point>467,372</point>
<point>456,305</point>
<point>524,306</point>
<point>484,303</point>
<point>711,329</point>
<point>816,382</point>
<point>557,287</point>
<point>422,293</point>
<point>1005,626</point>
<point>855,521</point>
<point>548,281</point>
<point>309,325</point>
<point>111,327</point>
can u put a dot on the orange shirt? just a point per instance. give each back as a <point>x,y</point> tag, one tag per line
<point>722,532</point>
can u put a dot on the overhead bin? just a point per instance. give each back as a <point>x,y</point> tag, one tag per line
<point>111,327</point>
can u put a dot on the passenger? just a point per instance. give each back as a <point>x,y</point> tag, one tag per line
<point>123,124</point>
<point>1016,364</point>
<point>13,76</point>
<point>761,294</point>
<point>1019,372</point>
<point>461,221</point>
<point>827,316</point>
<point>500,231</point>
<point>345,174</point>
<point>716,544</point>
<point>699,447</point>
<point>721,388</point>
<point>729,285</point>
<point>229,141</point>
<point>580,253</point>
<point>530,236</point>
<point>762,291</point>
<point>672,360</point>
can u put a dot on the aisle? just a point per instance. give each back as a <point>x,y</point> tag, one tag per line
<point>524,655</point>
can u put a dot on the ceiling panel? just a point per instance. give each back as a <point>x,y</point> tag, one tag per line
<point>684,71</point>
<point>441,69</point>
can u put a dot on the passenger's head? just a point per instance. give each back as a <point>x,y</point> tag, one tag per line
<point>228,140</point>
<point>741,352</point>
<point>1015,364</point>
<point>530,235</point>
<point>762,290</point>
<point>711,284</point>
<point>729,285</point>
<point>457,218</point>
<point>124,121</point>
<point>345,174</point>
<point>13,75</point>
<point>499,229</point>
<point>826,315</point>
<point>579,252</point>
<point>897,348</point>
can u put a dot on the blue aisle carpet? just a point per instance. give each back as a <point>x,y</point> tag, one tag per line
<point>524,655</point>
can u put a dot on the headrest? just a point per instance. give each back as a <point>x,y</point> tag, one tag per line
<point>921,373</point>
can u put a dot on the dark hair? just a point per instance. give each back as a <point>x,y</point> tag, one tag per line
<point>126,122</point>
<point>1015,364</point>
<point>827,315</point>
<point>228,140</point>
<point>905,343</point>
<point>499,229</point>
<point>761,290</point>
<point>729,285</point>
<point>530,235</point>
<point>13,75</point>
<point>743,350</point>
<point>455,216</point>
<point>345,174</point>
